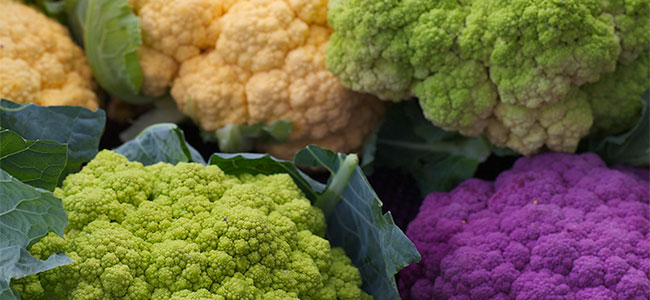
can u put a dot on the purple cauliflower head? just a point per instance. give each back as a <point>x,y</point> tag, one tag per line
<point>555,226</point>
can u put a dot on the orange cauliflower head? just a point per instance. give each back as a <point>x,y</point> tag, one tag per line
<point>252,61</point>
<point>39,61</point>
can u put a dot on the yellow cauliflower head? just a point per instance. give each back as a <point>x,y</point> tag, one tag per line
<point>252,61</point>
<point>39,62</point>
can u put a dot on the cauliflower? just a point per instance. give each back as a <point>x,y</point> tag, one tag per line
<point>40,62</point>
<point>513,70</point>
<point>555,226</point>
<point>247,62</point>
<point>189,232</point>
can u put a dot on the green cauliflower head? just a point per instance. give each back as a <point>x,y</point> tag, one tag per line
<point>511,69</point>
<point>189,231</point>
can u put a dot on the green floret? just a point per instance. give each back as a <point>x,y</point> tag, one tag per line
<point>544,48</point>
<point>631,19</point>
<point>472,63</point>
<point>201,294</point>
<point>189,232</point>
<point>615,98</point>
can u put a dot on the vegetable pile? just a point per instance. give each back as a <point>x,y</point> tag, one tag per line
<point>519,169</point>
<point>526,73</point>
<point>555,226</point>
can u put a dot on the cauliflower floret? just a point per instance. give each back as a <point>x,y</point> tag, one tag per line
<point>201,294</point>
<point>615,100</point>
<point>40,62</point>
<point>104,251</point>
<point>189,232</point>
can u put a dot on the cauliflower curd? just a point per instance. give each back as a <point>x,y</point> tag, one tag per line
<point>526,73</point>
<point>39,62</point>
<point>189,232</point>
<point>251,61</point>
<point>555,226</point>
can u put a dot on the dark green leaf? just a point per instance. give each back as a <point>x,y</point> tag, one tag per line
<point>437,159</point>
<point>26,215</point>
<point>631,148</point>
<point>161,142</point>
<point>38,163</point>
<point>376,246</point>
<point>77,127</point>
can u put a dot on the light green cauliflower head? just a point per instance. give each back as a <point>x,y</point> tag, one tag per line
<point>510,69</point>
<point>189,232</point>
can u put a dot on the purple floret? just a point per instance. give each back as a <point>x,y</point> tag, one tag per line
<point>555,226</point>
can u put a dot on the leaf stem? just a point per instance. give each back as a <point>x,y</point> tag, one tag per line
<point>339,181</point>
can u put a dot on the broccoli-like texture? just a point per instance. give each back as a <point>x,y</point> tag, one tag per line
<point>189,232</point>
<point>510,69</point>
<point>555,226</point>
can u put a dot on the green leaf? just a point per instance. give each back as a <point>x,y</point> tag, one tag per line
<point>437,159</point>
<point>38,163</point>
<point>240,138</point>
<point>17,262</point>
<point>76,14</point>
<point>27,214</point>
<point>111,37</point>
<point>277,131</point>
<point>77,127</point>
<point>161,142</point>
<point>631,148</point>
<point>340,166</point>
<point>376,246</point>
